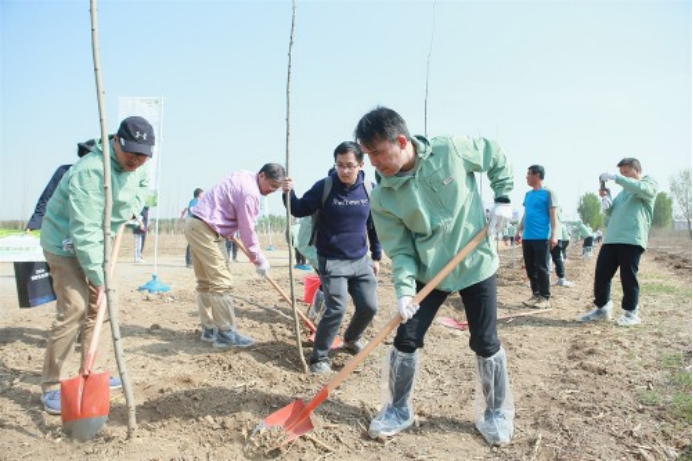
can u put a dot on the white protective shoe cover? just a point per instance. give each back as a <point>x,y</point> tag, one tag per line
<point>598,314</point>
<point>630,318</point>
<point>399,377</point>
<point>494,406</point>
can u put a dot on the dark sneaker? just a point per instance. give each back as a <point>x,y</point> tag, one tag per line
<point>354,346</point>
<point>51,402</point>
<point>542,303</point>
<point>531,301</point>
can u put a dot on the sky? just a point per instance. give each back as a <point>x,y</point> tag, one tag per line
<point>573,86</point>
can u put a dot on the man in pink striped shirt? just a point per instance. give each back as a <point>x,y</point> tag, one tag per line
<point>230,206</point>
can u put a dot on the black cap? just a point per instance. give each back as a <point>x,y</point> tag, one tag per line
<point>136,135</point>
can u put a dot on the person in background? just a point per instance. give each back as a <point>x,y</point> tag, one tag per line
<point>629,217</point>
<point>36,220</point>
<point>585,233</point>
<point>344,232</point>
<point>558,253</point>
<point>197,195</point>
<point>140,232</point>
<point>232,249</point>
<point>72,241</point>
<point>299,259</point>
<point>539,232</point>
<point>426,208</point>
<point>231,205</point>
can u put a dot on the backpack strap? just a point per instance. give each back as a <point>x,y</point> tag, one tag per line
<point>315,218</point>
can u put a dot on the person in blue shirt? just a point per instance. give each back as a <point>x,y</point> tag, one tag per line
<point>345,229</point>
<point>538,232</point>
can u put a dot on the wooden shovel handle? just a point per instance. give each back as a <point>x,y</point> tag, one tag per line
<point>272,282</point>
<point>333,383</point>
<point>101,310</point>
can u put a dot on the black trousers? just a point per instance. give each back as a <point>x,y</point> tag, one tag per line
<point>613,256</point>
<point>536,255</point>
<point>558,257</point>
<point>480,306</point>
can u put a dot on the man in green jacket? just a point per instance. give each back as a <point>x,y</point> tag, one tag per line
<point>629,217</point>
<point>426,208</point>
<point>72,241</point>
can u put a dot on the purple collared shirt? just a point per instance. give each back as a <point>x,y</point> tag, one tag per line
<point>234,205</point>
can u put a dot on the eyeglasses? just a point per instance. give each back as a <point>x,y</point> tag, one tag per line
<point>346,167</point>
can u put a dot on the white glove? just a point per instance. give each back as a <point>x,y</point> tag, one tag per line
<point>263,269</point>
<point>501,214</point>
<point>406,309</point>
<point>607,177</point>
<point>606,203</point>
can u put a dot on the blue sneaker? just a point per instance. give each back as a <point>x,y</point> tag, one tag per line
<point>115,383</point>
<point>51,402</point>
<point>232,338</point>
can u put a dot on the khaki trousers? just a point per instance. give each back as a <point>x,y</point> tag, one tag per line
<point>75,311</point>
<point>214,281</point>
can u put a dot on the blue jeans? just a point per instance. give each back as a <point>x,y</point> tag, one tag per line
<point>341,278</point>
<point>480,306</point>
<point>536,255</point>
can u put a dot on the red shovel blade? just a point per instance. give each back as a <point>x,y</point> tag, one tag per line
<point>85,403</point>
<point>336,344</point>
<point>452,323</point>
<point>295,417</point>
<point>288,413</point>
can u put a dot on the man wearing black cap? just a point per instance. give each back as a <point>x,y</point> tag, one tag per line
<point>72,241</point>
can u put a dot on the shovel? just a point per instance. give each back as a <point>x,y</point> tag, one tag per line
<point>295,417</point>
<point>452,323</point>
<point>337,342</point>
<point>85,399</point>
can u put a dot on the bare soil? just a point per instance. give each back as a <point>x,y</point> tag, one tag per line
<point>582,391</point>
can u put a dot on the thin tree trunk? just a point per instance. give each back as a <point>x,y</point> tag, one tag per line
<point>428,69</point>
<point>110,296</point>
<point>299,344</point>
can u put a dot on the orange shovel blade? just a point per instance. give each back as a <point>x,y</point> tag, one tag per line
<point>336,344</point>
<point>284,415</point>
<point>85,403</point>
<point>293,418</point>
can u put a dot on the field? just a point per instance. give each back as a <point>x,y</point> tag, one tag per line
<point>583,392</point>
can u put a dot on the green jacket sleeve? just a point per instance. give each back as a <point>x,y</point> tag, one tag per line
<point>86,210</point>
<point>486,155</point>
<point>643,189</point>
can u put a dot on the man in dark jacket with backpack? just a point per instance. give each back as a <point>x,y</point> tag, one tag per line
<point>344,229</point>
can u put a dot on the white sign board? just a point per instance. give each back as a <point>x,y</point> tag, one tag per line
<point>21,248</point>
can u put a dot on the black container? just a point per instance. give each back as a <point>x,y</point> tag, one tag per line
<point>34,283</point>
